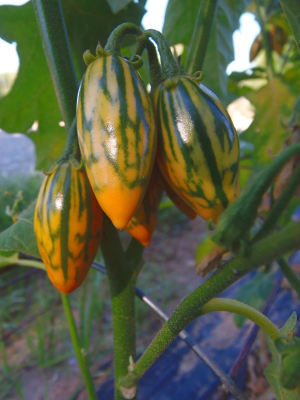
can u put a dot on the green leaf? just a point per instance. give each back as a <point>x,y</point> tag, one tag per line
<point>254,293</point>
<point>272,373</point>
<point>96,21</point>
<point>292,12</point>
<point>32,96</point>
<point>220,48</point>
<point>289,325</point>
<point>272,102</point>
<point>289,350</point>
<point>20,236</point>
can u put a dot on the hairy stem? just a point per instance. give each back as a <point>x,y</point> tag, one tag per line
<point>53,33</point>
<point>122,272</point>
<point>202,30</point>
<point>237,307</point>
<point>79,351</point>
<point>265,251</point>
<point>290,274</point>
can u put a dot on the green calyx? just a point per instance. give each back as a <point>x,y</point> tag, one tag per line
<point>137,62</point>
<point>88,57</point>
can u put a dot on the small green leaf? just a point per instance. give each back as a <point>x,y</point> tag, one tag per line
<point>254,293</point>
<point>283,372</point>
<point>20,236</point>
<point>290,368</point>
<point>289,325</point>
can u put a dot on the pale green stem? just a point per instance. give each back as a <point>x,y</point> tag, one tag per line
<point>237,307</point>
<point>79,351</point>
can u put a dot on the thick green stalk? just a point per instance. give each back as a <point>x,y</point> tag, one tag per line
<point>58,55</point>
<point>237,307</point>
<point>201,35</point>
<point>122,272</point>
<point>279,207</point>
<point>79,351</point>
<point>267,250</point>
<point>169,67</point>
<point>114,41</point>
<point>290,274</point>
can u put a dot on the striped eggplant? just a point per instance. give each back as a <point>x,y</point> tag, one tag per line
<point>198,147</point>
<point>68,226</point>
<point>177,200</point>
<point>142,224</point>
<point>117,135</point>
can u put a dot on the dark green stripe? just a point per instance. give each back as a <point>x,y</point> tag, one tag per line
<point>164,120</point>
<point>103,80</point>
<point>65,220</point>
<point>223,124</point>
<point>205,143</point>
<point>118,69</point>
<point>88,231</point>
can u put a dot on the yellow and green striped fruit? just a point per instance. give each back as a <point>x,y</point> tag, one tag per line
<point>177,200</point>
<point>68,226</point>
<point>142,224</point>
<point>117,136</point>
<point>198,147</point>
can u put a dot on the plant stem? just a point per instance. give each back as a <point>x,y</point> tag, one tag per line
<point>58,55</point>
<point>237,307</point>
<point>279,207</point>
<point>268,249</point>
<point>79,352</point>
<point>266,41</point>
<point>30,263</point>
<point>201,35</point>
<point>122,272</point>
<point>240,360</point>
<point>290,274</point>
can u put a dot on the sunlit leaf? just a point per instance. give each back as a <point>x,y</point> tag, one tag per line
<point>271,102</point>
<point>179,29</point>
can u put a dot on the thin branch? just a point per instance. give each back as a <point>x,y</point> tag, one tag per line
<point>241,358</point>
<point>214,367</point>
<point>290,274</point>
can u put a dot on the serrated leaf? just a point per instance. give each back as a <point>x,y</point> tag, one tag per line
<point>254,293</point>
<point>220,48</point>
<point>292,12</point>
<point>271,102</point>
<point>20,236</point>
<point>289,325</point>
